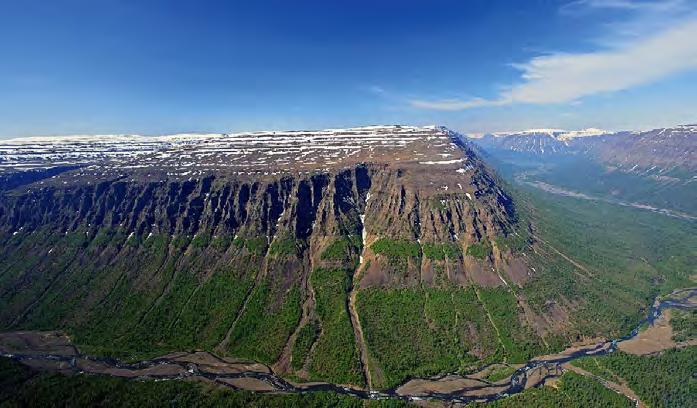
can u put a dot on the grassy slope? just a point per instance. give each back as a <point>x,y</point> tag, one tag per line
<point>130,298</point>
<point>335,356</point>
<point>423,331</point>
<point>262,331</point>
<point>632,255</point>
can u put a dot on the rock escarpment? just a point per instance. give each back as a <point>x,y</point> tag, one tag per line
<point>221,243</point>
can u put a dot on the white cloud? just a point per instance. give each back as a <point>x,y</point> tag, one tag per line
<point>567,77</point>
<point>455,104</point>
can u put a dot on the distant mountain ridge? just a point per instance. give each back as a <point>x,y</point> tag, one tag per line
<point>541,141</point>
<point>559,134</point>
<point>662,149</point>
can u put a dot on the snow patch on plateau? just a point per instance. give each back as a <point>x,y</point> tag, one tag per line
<point>443,161</point>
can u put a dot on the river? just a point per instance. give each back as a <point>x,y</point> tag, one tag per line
<point>54,351</point>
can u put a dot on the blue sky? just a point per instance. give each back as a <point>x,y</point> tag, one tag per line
<point>148,67</point>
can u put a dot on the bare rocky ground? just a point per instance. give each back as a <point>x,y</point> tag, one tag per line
<point>655,338</point>
<point>54,351</point>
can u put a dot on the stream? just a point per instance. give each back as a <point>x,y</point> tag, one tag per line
<point>53,352</point>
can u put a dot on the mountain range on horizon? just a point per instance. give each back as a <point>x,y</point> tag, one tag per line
<point>665,148</point>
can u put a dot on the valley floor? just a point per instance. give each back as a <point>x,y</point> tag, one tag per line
<point>53,351</point>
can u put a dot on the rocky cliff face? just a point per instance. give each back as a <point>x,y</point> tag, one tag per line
<point>449,197</point>
<point>257,249</point>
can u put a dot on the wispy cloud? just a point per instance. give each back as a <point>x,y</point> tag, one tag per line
<point>633,19</point>
<point>568,77</point>
<point>456,104</point>
<point>587,6</point>
<point>376,89</point>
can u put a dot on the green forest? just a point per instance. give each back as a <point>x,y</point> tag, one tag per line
<point>666,380</point>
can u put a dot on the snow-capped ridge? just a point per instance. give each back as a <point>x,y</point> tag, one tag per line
<point>583,133</point>
<point>126,137</point>
<point>559,134</point>
<point>241,151</point>
<point>567,135</point>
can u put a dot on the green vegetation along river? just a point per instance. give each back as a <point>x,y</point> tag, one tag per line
<point>54,351</point>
